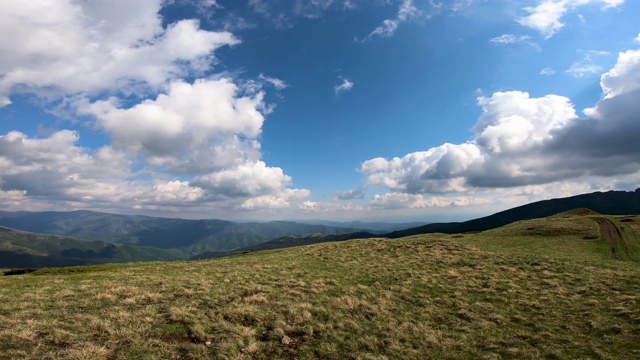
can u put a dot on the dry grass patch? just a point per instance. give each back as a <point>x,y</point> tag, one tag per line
<point>418,297</point>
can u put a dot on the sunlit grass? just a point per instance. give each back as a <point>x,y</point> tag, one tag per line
<point>435,296</point>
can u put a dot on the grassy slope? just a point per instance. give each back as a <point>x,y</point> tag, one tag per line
<point>509,293</point>
<point>23,249</point>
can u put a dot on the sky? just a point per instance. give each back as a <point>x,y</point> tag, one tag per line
<point>393,110</point>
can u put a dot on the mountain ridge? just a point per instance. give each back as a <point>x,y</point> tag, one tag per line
<point>199,239</point>
<point>189,236</point>
<point>610,203</point>
<point>26,249</point>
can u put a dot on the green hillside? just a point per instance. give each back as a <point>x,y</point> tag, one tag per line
<point>24,249</point>
<point>191,237</point>
<point>539,289</point>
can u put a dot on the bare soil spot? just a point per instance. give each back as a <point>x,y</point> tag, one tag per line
<point>613,236</point>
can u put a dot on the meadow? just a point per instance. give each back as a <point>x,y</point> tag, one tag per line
<point>537,289</point>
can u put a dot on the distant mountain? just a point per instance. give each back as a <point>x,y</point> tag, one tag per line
<point>189,236</point>
<point>31,250</point>
<point>215,238</point>
<point>370,226</point>
<point>610,203</point>
<point>287,242</point>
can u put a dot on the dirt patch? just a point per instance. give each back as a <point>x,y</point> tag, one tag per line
<point>612,234</point>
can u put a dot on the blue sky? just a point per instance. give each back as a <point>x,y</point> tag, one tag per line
<point>316,109</point>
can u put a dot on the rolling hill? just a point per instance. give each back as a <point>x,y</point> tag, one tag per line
<point>610,202</point>
<point>545,288</point>
<point>31,250</point>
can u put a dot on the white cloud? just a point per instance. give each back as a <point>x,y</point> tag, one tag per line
<point>580,69</point>
<point>193,129</point>
<point>68,47</point>
<point>280,201</point>
<point>329,207</point>
<point>246,180</point>
<point>503,152</point>
<point>54,172</point>
<point>278,84</point>
<point>394,200</point>
<point>514,122</point>
<point>194,143</point>
<point>56,168</point>
<point>406,12</point>
<point>524,141</point>
<point>587,65</point>
<point>547,71</point>
<point>546,17</point>
<point>345,86</point>
<point>509,39</point>
<point>624,77</point>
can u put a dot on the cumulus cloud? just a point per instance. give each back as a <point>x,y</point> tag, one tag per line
<point>521,140</point>
<point>68,47</point>
<point>546,17</point>
<point>345,86</point>
<point>208,129</point>
<point>246,180</point>
<point>54,170</point>
<point>193,128</point>
<point>280,201</point>
<point>193,142</point>
<point>406,12</point>
<point>624,77</point>
<point>55,167</point>
<point>395,200</point>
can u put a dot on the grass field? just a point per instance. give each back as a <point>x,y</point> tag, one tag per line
<point>539,289</point>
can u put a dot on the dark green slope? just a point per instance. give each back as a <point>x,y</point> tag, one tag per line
<point>610,203</point>
<point>286,242</point>
<point>24,249</point>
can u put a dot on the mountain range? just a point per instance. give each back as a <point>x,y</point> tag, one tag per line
<point>190,237</point>
<point>86,237</point>
<point>610,202</point>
